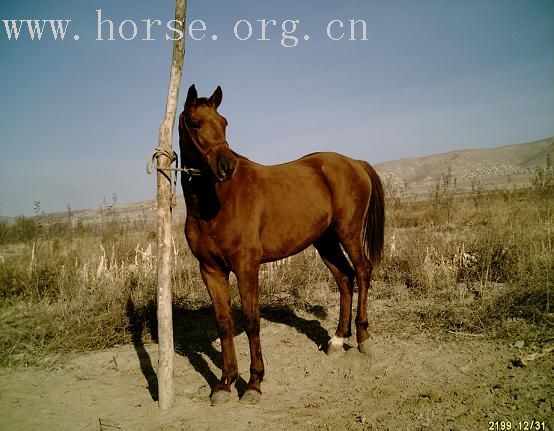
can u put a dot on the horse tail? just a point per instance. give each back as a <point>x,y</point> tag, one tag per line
<point>374,225</point>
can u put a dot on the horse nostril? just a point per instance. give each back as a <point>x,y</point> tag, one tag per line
<point>231,168</point>
<point>223,168</point>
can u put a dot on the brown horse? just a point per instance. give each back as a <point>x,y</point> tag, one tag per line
<point>241,214</point>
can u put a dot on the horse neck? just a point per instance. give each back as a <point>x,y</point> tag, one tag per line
<point>201,198</point>
<point>204,197</point>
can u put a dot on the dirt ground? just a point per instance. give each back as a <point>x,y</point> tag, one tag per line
<point>415,380</point>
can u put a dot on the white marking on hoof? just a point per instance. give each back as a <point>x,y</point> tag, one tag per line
<point>337,341</point>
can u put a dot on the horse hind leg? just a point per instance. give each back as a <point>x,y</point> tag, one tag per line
<point>349,232</point>
<point>363,269</point>
<point>332,255</point>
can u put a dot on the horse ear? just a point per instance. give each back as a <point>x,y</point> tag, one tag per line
<point>192,95</point>
<point>215,99</point>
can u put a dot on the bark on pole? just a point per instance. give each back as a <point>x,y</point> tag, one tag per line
<point>166,389</point>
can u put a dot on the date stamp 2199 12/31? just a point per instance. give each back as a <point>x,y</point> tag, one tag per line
<point>520,425</point>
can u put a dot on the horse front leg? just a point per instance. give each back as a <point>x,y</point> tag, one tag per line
<point>247,278</point>
<point>217,282</point>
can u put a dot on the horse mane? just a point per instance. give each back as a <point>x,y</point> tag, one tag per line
<point>240,156</point>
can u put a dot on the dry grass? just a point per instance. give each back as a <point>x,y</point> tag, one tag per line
<point>481,262</point>
<point>474,262</point>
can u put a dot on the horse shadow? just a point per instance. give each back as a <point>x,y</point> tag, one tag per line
<point>194,333</point>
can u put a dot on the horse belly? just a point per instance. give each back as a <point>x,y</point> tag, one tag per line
<point>291,225</point>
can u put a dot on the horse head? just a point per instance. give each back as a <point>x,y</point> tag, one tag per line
<point>202,137</point>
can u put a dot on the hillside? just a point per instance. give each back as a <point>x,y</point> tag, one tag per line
<point>500,166</point>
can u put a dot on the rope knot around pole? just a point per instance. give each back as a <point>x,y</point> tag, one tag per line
<point>170,173</point>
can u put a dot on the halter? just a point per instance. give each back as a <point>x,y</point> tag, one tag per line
<point>212,147</point>
<point>152,164</point>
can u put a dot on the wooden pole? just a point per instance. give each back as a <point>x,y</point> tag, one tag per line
<point>165,318</point>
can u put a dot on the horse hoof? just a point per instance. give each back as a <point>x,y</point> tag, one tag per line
<point>220,397</point>
<point>365,348</point>
<point>333,349</point>
<point>251,396</point>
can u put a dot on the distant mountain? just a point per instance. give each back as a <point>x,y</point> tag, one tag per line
<point>488,167</point>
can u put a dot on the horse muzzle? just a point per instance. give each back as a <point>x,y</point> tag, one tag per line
<point>226,167</point>
<point>221,161</point>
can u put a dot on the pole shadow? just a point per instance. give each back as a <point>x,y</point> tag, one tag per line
<point>136,323</point>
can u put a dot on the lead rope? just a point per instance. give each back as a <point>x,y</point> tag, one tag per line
<point>152,163</point>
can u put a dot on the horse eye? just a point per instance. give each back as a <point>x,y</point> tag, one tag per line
<point>194,125</point>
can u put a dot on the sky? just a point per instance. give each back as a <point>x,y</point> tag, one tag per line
<point>79,118</point>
